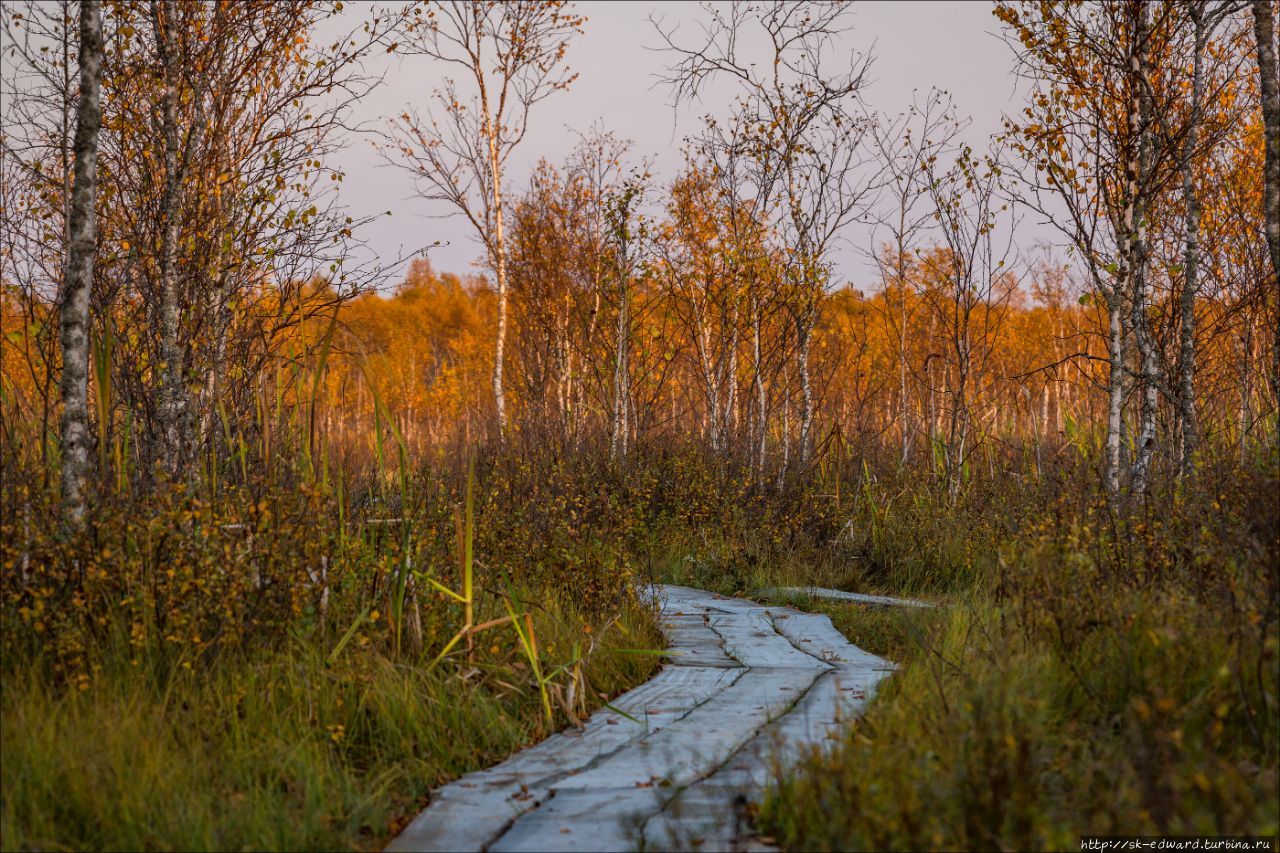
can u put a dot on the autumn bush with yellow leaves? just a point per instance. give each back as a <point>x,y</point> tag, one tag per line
<point>282,664</point>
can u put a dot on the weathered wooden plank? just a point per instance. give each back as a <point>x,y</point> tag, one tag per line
<point>841,595</point>
<point>748,686</point>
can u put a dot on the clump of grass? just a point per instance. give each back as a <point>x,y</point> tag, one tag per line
<point>1117,675</point>
<point>854,523</point>
<point>279,749</point>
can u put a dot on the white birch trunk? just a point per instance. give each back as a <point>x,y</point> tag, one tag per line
<point>82,229</point>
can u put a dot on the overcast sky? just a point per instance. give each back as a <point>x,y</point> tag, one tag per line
<point>915,45</point>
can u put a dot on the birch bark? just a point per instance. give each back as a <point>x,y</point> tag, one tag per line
<point>82,229</point>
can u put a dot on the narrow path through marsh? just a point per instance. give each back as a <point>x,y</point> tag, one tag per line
<point>693,746</point>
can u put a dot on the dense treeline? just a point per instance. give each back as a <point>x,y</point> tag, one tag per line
<point>642,312</point>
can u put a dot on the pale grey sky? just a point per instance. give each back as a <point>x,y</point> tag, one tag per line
<point>916,45</point>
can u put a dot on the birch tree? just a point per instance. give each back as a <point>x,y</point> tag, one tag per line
<point>972,281</point>
<point>1103,135</point>
<point>259,108</point>
<point>172,395</point>
<point>806,136</point>
<point>508,58</point>
<point>39,92</point>
<point>1264,28</point>
<point>1209,77</point>
<point>627,237</point>
<point>698,252</point>
<point>82,245</point>
<point>238,109</point>
<point>902,146</point>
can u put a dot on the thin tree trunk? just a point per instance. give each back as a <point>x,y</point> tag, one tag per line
<point>172,390</point>
<point>1149,373</point>
<point>1187,432</point>
<point>588,342</point>
<point>731,393</point>
<point>500,269</point>
<point>497,241</point>
<point>74,313</point>
<point>621,372</point>
<point>221,328</point>
<point>1139,167</point>
<point>762,421</point>
<point>958,429</point>
<point>711,386</point>
<point>65,149</point>
<point>1269,76</point>
<point>564,393</point>
<point>786,436</point>
<point>804,333</point>
<point>931,406</point>
<point>1115,392</point>
<point>902,369</point>
<point>1043,427</point>
<point>1059,397</point>
<point>1246,409</point>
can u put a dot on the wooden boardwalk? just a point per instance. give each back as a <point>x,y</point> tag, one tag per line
<point>746,686</point>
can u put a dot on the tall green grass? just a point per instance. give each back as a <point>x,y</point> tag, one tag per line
<point>1116,673</point>
<point>287,748</point>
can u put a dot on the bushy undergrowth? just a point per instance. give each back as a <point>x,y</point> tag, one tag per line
<point>260,665</point>
<point>1117,674</point>
<point>269,666</point>
<point>256,662</point>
